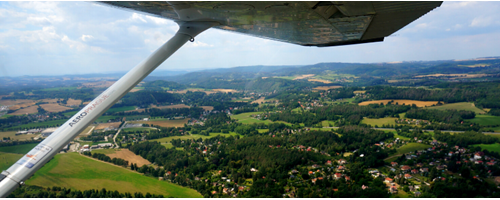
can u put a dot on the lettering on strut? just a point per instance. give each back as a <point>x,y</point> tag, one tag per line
<point>88,109</point>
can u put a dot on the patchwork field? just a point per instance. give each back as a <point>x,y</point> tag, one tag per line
<point>164,122</point>
<point>319,80</point>
<point>379,122</point>
<point>401,102</point>
<point>16,102</point>
<point>459,106</point>
<point>28,110</point>
<point>13,136</point>
<point>303,76</point>
<point>75,171</point>
<point>51,100</point>
<point>326,87</point>
<point>52,107</point>
<point>8,159</point>
<point>106,125</point>
<point>259,101</point>
<point>486,120</point>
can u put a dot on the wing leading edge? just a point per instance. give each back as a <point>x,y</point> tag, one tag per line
<point>311,23</point>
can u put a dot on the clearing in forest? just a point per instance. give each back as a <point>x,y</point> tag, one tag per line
<point>80,172</point>
<point>52,107</point>
<point>400,102</point>
<point>380,121</point>
<point>28,110</point>
<point>459,106</point>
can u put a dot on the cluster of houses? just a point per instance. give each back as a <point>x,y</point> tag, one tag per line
<point>413,121</point>
<point>97,146</point>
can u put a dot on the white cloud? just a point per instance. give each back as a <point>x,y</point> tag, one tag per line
<point>481,21</point>
<point>86,38</point>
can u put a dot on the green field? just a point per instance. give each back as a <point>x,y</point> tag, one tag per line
<point>327,123</point>
<point>263,130</point>
<point>490,147</point>
<point>20,149</point>
<point>166,140</point>
<point>246,119</point>
<point>121,109</point>
<point>459,106</point>
<point>8,159</point>
<point>379,122</point>
<point>72,170</point>
<point>104,151</point>
<point>13,136</point>
<point>138,129</point>
<point>70,114</point>
<point>486,120</point>
<point>52,123</point>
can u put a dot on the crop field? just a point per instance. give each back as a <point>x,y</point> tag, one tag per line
<point>205,91</point>
<point>319,80</point>
<point>379,122</point>
<point>13,136</point>
<point>20,149</point>
<point>73,102</point>
<point>259,101</point>
<point>246,119</point>
<point>79,172</point>
<point>51,100</point>
<point>16,102</point>
<point>106,125</point>
<point>486,120</point>
<point>121,109</point>
<point>87,131</point>
<point>171,106</point>
<point>129,156</point>
<point>40,124</point>
<point>326,87</point>
<point>359,92</point>
<point>401,102</point>
<point>28,110</point>
<point>490,147</point>
<point>8,159</point>
<point>52,107</point>
<point>164,122</point>
<point>459,106</point>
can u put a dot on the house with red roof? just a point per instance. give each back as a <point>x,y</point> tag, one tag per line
<point>408,176</point>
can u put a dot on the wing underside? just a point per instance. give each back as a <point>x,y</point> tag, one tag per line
<point>312,23</point>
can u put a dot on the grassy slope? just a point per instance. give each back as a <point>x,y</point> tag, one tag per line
<point>486,120</point>
<point>166,140</point>
<point>20,149</point>
<point>13,136</point>
<point>490,147</point>
<point>71,170</point>
<point>8,159</point>
<point>458,106</point>
<point>246,119</point>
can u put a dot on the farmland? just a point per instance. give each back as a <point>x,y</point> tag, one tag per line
<point>164,122</point>
<point>259,101</point>
<point>401,102</point>
<point>319,80</point>
<point>326,87</point>
<point>303,76</point>
<point>106,125</point>
<point>13,136</point>
<point>28,110</point>
<point>73,102</point>
<point>207,108</point>
<point>19,149</point>
<point>72,170</point>
<point>8,159</point>
<point>166,141</point>
<point>379,122</point>
<point>246,119</point>
<point>45,124</point>
<point>171,106</point>
<point>52,107</point>
<point>486,120</point>
<point>127,155</point>
<point>459,106</point>
<point>490,147</point>
<point>121,109</point>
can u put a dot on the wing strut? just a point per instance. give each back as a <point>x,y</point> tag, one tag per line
<point>43,152</point>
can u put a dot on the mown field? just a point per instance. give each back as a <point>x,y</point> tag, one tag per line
<point>459,106</point>
<point>8,159</point>
<point>490,147</point>
<point>486,120</point>
<point>163,122</point>
<point>75,171</point>
<point>400,102</point>
<point>13,136</point>
<point>19,149</point>
<point>379,122</point>
<point>52,123</point>
<point>246,119</point>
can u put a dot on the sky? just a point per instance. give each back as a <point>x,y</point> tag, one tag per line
<point>56,38</point>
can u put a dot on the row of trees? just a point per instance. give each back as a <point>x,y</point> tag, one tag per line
<point>32,191</point>
<point>104,157</point>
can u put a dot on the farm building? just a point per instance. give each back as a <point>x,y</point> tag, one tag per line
<point>48,131</point>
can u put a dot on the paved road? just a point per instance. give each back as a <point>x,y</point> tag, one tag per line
<point>116,135</point>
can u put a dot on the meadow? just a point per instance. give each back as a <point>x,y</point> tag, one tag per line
<point>407,148</point>
<point>75,171</point>
<point>121,109</point>
<point>13,136</point>
<point>490,147</point>
<point>8,159</point>
<point>164,122</point>
<point>486,120</point>
<point>379,122</point>
<point>459,106</point>
<point>19,149</point>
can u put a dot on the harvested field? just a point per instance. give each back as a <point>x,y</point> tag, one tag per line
<point>51,100</point>
<point>135,90</point>
<point>106,125</point>
<point>303,76</point>
<point>73,102</point>
<point>85,103</point>
<point>164,122</point>
<point>13,136</point>
<point>16,102</point>
<point>99,84</point>
<point>207,108</point>
<point>52,107</point>
<point>401,102</point>
<point>260,100</point>
<point>28,110</point>
<point>319,80</point>
<point>201,90</point>
<point>326,87</point>
<point>225,90</point>
<point>454,75</point>
<point>359,92</point>
<point>129,156</point>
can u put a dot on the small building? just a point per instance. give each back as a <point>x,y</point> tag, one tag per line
<point>408,176</point>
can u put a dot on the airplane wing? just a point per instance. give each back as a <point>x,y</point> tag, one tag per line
<point>310,23</point>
